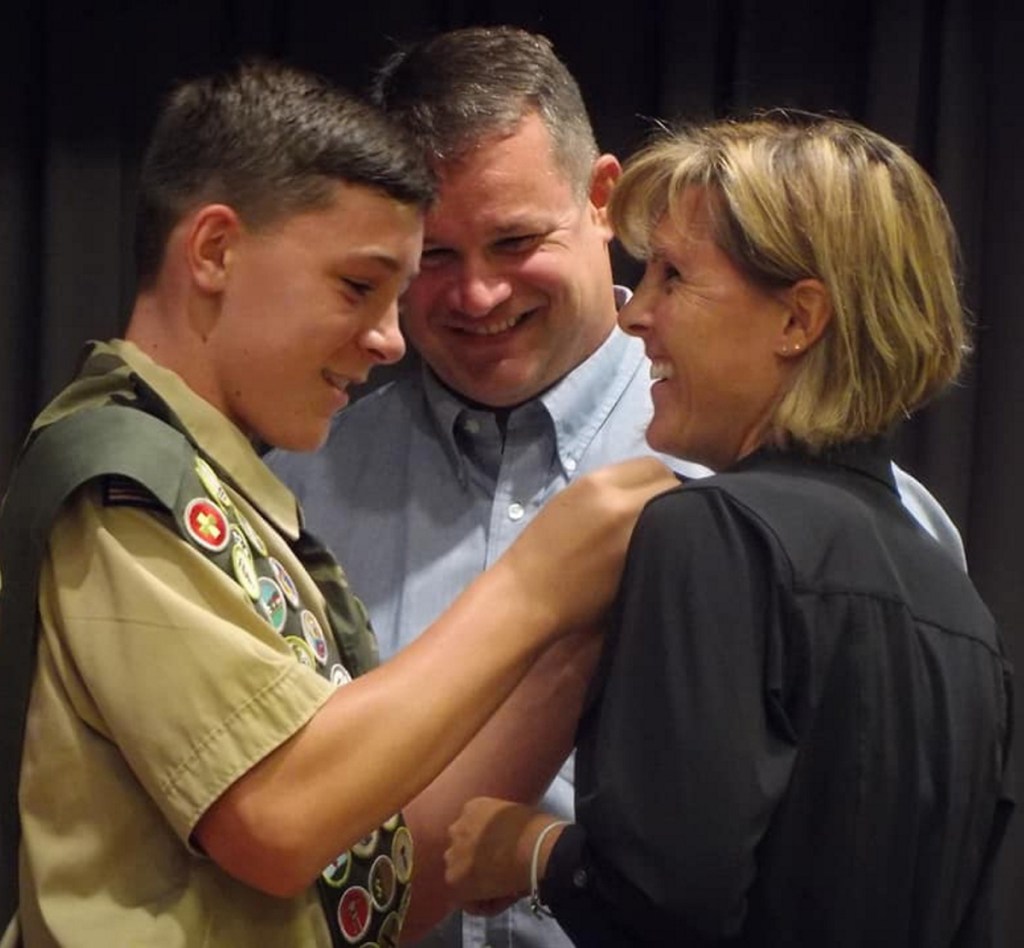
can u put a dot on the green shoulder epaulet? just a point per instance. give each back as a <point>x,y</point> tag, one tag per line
<point>107,440</point>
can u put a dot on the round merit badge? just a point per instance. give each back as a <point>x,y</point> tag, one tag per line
<point>390,929</point>
<point>251,535</point>
<point>403,905</point>
<point>354,913</point>
<point>401,854</point>
<point>206,524</point>
<point>242,564</point>
<point>302,651</point>
<point>340,675</point>
<point>367,844</point>
<point>211,482</point>
<point>336,874</point>
<point>314,635</point>
<point>286,582</point>
<point>382,882</point>
<point>272,603</point>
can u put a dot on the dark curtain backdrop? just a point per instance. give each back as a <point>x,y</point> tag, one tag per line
<point>80,81</point>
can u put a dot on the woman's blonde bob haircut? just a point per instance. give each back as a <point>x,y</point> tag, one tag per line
<point>797,197</point>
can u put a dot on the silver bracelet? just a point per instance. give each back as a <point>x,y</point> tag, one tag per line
<point>538,908</point>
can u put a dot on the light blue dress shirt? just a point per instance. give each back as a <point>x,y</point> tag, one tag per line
<point>416,493</point>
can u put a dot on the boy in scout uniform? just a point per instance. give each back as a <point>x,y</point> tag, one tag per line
<point>198,765</point>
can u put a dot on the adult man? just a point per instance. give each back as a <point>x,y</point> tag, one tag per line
<point>191,762</point>
<point>527,382</point>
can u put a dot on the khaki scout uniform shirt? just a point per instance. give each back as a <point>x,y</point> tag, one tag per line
<point>157,686</point>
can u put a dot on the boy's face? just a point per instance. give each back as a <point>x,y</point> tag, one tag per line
<point>309,306</point>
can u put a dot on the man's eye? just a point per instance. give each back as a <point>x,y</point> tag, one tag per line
<point>518,244</point>
<point>435,257</point>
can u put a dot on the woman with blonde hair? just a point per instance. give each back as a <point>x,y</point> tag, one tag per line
<point>799,731</point>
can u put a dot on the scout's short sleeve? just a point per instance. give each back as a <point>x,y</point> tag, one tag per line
<point>163,654</point>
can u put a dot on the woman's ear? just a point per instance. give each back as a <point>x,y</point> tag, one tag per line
<point>809,307</point>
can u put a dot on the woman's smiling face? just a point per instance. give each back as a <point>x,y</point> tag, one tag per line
<point>714,339</point>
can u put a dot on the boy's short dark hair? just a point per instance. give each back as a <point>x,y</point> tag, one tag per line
<point>269,141</point>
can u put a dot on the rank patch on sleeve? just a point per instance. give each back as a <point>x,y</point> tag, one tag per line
<point>121,491</point>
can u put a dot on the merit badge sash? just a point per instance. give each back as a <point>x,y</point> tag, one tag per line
<point>365,891</point>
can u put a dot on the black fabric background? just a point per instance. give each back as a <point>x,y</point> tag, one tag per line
<point>79,82</point>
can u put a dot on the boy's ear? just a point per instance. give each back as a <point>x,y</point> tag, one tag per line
<point>209,245</point>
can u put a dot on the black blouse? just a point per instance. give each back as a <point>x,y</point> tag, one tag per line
<point>799,731</point>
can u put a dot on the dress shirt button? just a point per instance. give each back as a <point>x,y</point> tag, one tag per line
<point>570,464</point>
<point>471,426</point>
<point>515,511</point>
<point>580,878</point>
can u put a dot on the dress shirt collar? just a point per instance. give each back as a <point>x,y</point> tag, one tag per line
<point>577,405</point>
<point>581,402</point>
